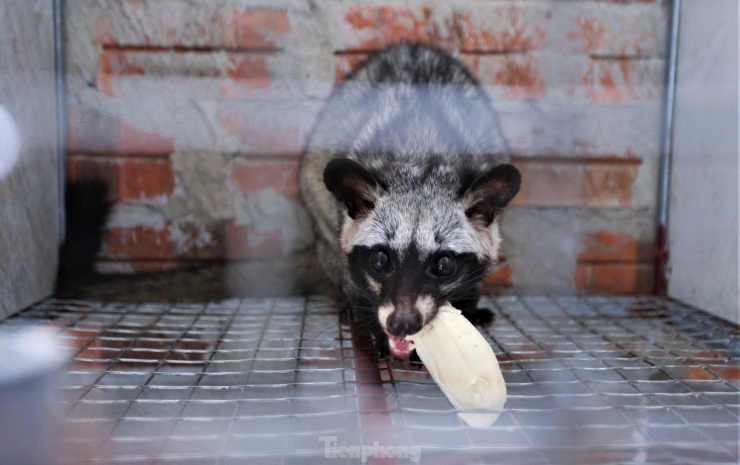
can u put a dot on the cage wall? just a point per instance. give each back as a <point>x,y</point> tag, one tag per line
<point>29,201</point>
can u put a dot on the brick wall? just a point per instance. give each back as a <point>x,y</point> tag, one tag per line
<point>196,112</point>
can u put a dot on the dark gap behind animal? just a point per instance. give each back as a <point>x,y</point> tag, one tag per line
<point>86,207</point>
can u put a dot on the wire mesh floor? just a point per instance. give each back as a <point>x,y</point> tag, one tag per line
<point>590,380</point>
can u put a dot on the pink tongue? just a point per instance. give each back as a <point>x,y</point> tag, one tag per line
<point>400,347</point>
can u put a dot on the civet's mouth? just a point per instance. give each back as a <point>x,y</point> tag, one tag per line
<point>400,347</point>
<point>410,320</point>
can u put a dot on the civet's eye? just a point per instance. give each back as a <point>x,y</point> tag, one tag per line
<point>379,261</point>
<point>444,266</point>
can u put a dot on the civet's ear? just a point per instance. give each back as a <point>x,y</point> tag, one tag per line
<point>352,186</point>
<point>490,192</point>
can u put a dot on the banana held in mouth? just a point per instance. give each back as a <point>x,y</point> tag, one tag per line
<point>463,364</point>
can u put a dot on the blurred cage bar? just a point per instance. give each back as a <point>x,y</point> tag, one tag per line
<point>590,380</point>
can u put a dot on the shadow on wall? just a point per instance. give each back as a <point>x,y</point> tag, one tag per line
<point>88,204</point>
<point>87,208</point>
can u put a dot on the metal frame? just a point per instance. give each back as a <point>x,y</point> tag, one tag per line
<point>590,379</point>
<point>664,181</point>
<point>61,109</point>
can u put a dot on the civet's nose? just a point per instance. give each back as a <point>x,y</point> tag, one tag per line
<point>404,321</point>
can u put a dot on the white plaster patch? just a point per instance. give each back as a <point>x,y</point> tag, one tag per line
<point>185,242</point>
<point>200,177</point>
<point>269,209</point>
<point>130,216</point>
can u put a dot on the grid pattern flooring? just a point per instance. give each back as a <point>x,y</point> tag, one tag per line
<point>590,380</point>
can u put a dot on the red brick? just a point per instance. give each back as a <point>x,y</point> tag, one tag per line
<point>612,261</point>
<point>510,76</point>
<point>118,61</point>
<point>138,242</point>
<point>515,76</point>
<point>102,30</point>
<point>250,77</point>
<point>617,30</point>
<point>94,131</point>
<point>135,141</point>
<point>129,179</point>
<point>499,277</point>
<point>110,85</point>
<point>588,36</point>
<point>253,242</point>
<point>82,338</point>
<point>185,75</point>
<point>82,167</point>
<point>198,241</point>
<point>164,86</point>
<point>197,64</point>
<point>619,278</point>
<point>619,81</point>
<point>612,246</point>
<point>251,67</point>
<point>264,130</point>
<point>159,24</point>
<point>171,23</point>
<point>576,182</point>
<point>255,175</point>
<point>145,179</point>
<point>723,367</point>
<point>365,27</point>
<point>264,28</point>
<point>497,27</point>
<point>481,27</point>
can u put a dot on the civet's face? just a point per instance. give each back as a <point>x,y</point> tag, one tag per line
<point>409,252</point>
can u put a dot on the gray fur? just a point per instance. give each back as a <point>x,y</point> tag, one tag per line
<point>417,120</point>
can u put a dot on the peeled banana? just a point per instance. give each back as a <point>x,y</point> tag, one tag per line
<point>463,364</point>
